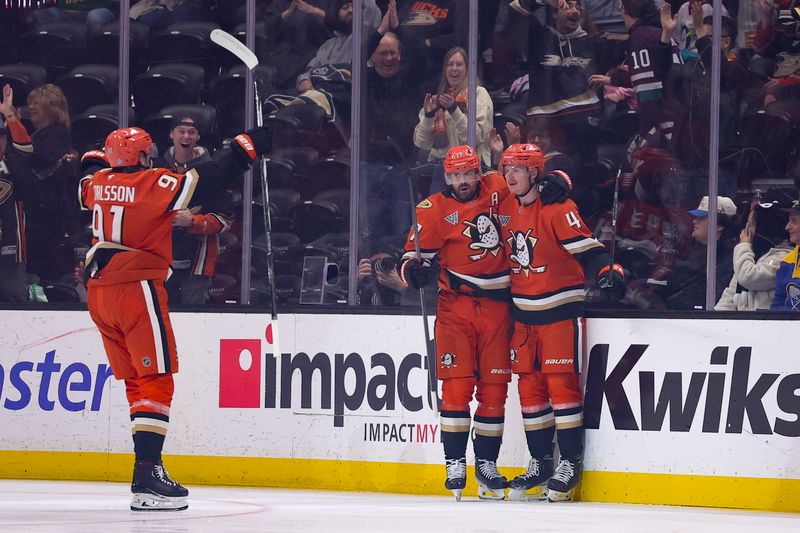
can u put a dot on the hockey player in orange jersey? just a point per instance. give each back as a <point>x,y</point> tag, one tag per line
<point>550,254</point>
<point>133,207</point>
<point>459,226</point>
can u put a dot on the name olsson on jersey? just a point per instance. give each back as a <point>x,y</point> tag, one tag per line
<point>114,193</point>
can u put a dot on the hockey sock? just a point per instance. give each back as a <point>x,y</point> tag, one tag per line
<point>539,431</point>
<point>455,433</point>
<point>569,426</point>
<point>147,446</point>
<point>488,436</point>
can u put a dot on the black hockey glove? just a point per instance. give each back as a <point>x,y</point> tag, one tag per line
<point>415,273</point>
<point>554,187</point>
<point>611,282</point>
<point>92,161</point>
<point>248,146</point>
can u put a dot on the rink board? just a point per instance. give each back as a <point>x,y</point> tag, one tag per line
<point>690,412</point>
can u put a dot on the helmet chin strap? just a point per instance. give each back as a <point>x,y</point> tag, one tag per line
<point>531,183</point>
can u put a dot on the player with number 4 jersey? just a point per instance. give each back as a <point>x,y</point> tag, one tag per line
<point>133,207</point>
<point>550,253</point>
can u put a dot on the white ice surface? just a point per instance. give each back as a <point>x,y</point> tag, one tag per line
<point>103,507</point>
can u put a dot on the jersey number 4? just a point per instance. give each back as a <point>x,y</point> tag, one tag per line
<point>572,219</point>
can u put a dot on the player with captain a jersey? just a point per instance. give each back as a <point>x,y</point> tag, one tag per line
<point>459,226</point>
<point>550,254</point>
<point>133,207</point>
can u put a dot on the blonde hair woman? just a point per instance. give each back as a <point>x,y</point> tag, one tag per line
<point>443,117</point>
<point>51,208</point>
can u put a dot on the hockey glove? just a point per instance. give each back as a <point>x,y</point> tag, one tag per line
<point>415,273</point>
<point>611,282</point>
<point>248,146</point>
<point>554,187</point>
<point>92,161</point>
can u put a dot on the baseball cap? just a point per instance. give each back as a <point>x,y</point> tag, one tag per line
<point>725,206</point>
<point>184,119</point>
<point>793,208</point>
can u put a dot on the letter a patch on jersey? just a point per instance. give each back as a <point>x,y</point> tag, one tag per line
<point>452,218</point>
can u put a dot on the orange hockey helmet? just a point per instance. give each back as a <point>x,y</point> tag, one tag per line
<point>524,155</point>
<point>460,159</point>
<point>123,146</point>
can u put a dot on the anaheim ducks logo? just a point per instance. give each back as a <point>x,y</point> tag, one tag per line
<point>484,234</point>
<point>6,188</point>
<point>449,360</point>
<point>522,245</point>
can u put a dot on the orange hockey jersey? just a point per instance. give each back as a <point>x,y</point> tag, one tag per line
<point>132,217</point>
<point>465,237</point>
<point>546,246</point>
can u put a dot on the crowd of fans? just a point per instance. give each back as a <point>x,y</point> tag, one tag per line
<point>625,106</point>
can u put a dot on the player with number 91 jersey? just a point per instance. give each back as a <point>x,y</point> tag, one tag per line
<point>133,212</point>
<point>544,244</point>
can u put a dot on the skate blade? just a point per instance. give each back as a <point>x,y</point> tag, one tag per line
<point>554,496</point>
<point>535,494</point>
<point>152,502</point>
<point>485,493</point>
<point>457,494</point>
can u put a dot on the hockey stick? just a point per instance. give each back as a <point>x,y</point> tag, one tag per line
<point>246,56</point>
<point>430,347</point>
<point>609,282</point>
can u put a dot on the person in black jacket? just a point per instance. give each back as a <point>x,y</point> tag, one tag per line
<point>390,109</point>
<point>15,175</point>
<point>51,208</point>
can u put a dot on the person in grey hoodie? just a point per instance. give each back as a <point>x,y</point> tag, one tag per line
<point>756,259</point>
<point>338,49</point>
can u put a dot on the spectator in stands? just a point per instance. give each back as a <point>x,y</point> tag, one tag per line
<point>787,278</point>
<point>544,133</point>
<point>94,13</point>
<point>685,30</point>
<point>435,26</point>
<point>295,30</point>
<point>51,210</point>
<point>338,50</point>
<point>762,246</point>
<point>779,40</point>
<point>686,287</point>
<point>659,107</point>
<point>443,117</point>
<point>15,150</point>
<point>195,238</point>
<point>691,139</point>
<point>562,62</point>
<point>379,281</point>
<point>158,14</point>
<point>390,108</point>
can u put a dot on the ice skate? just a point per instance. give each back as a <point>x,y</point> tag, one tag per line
<point>456,476</point>
<point>532,484</point>
<point>491,484</point>
<point>563,483</point>
<point>154,490</point>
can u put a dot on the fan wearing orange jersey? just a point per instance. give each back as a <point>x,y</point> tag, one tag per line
<point>459,227</point>
<point>550,253</point>
<point>133,207</point>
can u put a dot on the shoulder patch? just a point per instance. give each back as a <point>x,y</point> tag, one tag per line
<point>6,188</point>
<point>425,204</point>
